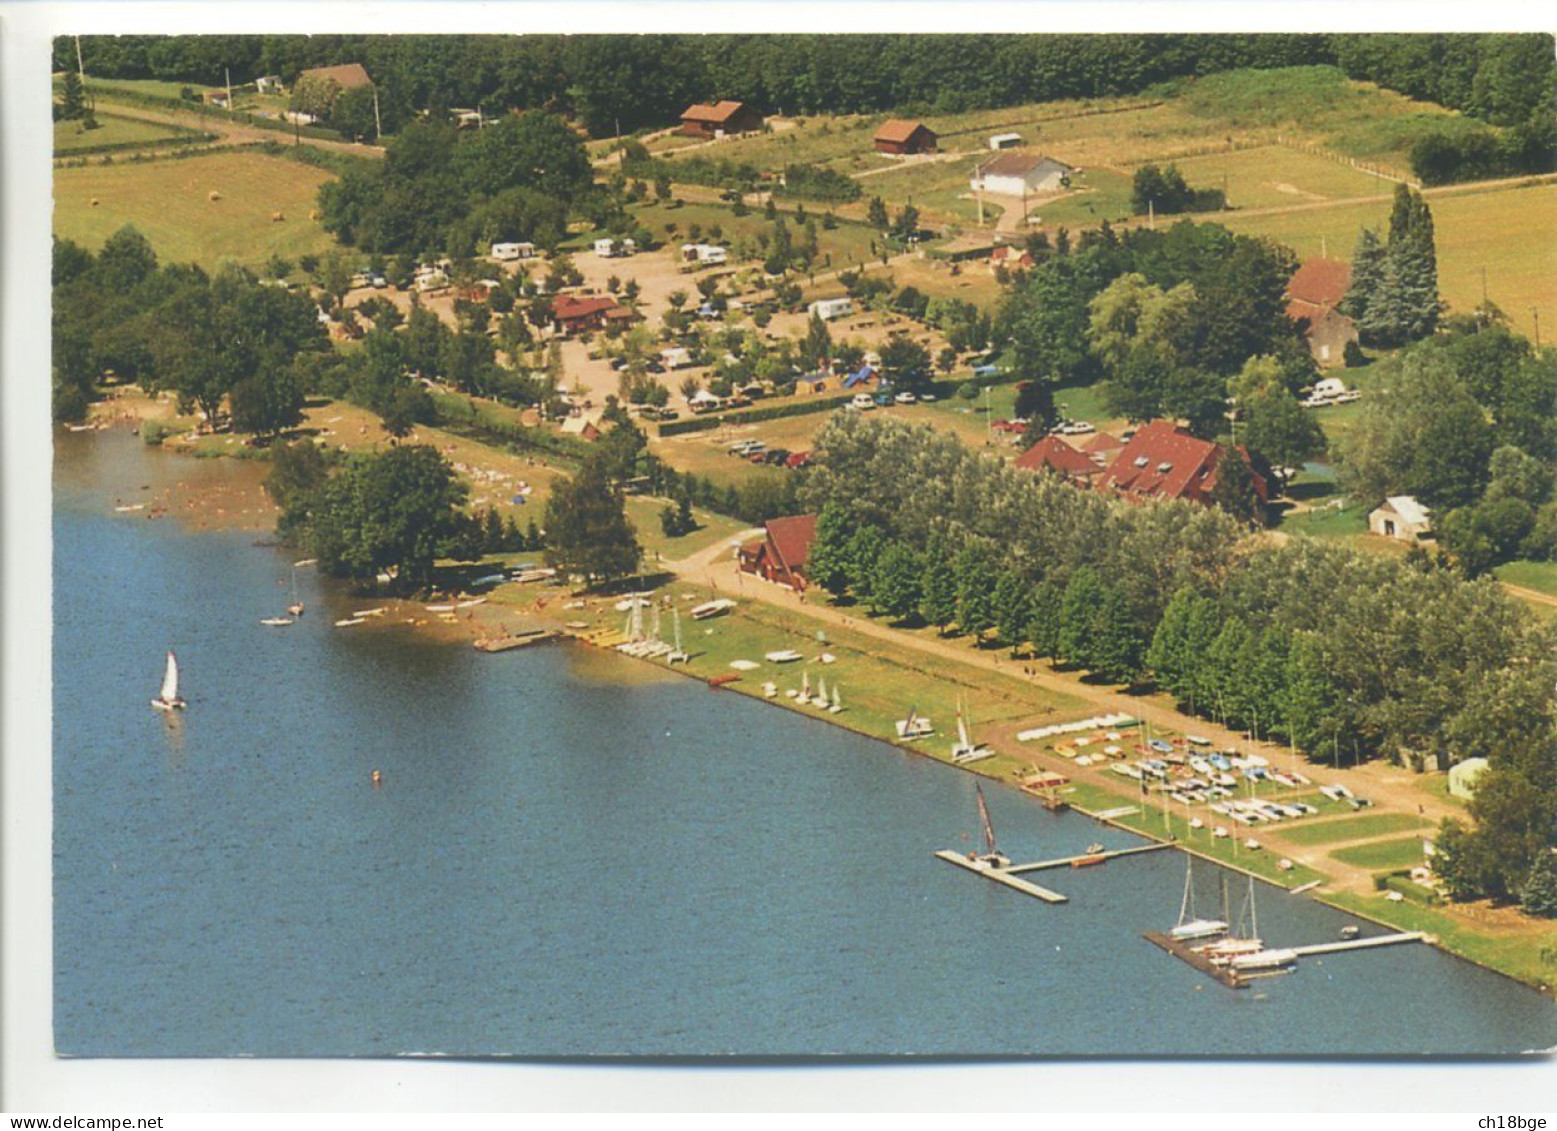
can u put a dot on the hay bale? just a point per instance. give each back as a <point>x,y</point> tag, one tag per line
<point>94,202</point>
<point>315,215</point>
<point>276,217</point>
<point>213,195</point>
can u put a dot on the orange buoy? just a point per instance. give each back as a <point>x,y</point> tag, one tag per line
<point>378,779</point>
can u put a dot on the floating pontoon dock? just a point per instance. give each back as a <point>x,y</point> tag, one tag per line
<point>1357,944</point>
<point>999,875</point>
<point>1237,979</point>
<point>1224,974</point>
<point>1085,857</point>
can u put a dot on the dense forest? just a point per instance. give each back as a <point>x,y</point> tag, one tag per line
<point>616,83</point>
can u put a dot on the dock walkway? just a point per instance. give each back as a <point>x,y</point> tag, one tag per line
<point>1087,857</point>
<point>1357,944</point>
<point>1001,876</point>
<point>1223,974</point>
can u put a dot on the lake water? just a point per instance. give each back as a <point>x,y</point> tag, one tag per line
<point>563,863</point>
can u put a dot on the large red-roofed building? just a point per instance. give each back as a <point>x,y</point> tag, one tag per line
<point>1053,454</point>
<point>1314,294</point>
<point>721,119</point>
<point>1163,461</point>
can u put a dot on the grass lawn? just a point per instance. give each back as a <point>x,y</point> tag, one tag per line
<point>1526,955</point>
<point>1352,828</point>
<point>973,281</point>
<point>113,130</point>
<point>1098,195</point>
<point>1491,228</point>
<point>168,200</point>
<point>155,87</point>
<point>1385,856</point>
<point>1540,576</point>
<point>1274,177</point>
<point>1349,522</point>
<point>841,246</point>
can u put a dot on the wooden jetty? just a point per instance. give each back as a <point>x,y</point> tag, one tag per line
<point>1358,944</point>
<point>1000,876</point>
<point>1180,950</point>
<point>1085,858</point>
<point>517,639</point>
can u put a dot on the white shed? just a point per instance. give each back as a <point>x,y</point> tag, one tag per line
<point>829,308</point>
<point>1464,775</point>
<point>1004,141</point>
<point>1401,518</point>
<point>1020,174</point>
<point>510,251</point>
<point>1328,387</point>
<point>606,248</point>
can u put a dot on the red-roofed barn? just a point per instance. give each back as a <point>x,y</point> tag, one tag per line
<point>1313,294</point>
<point>721,119</point>
<point>1053,454</point>
<point>900,136</point>
<point>1163,461</point>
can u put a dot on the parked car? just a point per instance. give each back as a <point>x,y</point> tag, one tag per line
<point>864,402</point>
<point>798,459</point>
<point>777,457</point>
<point>927,396</point>
<point>905,397</point>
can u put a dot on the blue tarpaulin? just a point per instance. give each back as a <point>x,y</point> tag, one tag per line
<point>858,377</point>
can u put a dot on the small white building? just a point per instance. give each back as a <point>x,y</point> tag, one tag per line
<point>505,252</point>
<point>829,308</point>
<point>268,84</point>
<point>1004,141</point>
<point>430,279</point>
<point>1328,387</point>
<point>1464,775</point>
<point>1401,518</point>
<point>606,249</point>
<point>676,357</point>
<point>1020,174</point>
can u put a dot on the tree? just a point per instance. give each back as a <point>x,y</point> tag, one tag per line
<point>587,530</point>
<point>394,511</point>
<point>269,401</point>
<point>1117,645</point>
<point>895,589</point>
<point>876,214</point>
<point>1277,427</point>
<point>817,345</point>
<point>866,545</point>
<point>1011,608</point>
<point>1082,599</point>
<point>938,588</point>
<point>975,591</point>
<point>906,364</point>
<point>1538,896</point>
<point>1234,490</point>
<point>72,98</point>
<point>906,226</point>
<point>827,563</point>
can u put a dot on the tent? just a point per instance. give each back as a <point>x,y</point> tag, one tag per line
<point>859,377</point>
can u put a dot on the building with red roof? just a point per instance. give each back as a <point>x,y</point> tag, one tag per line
<point>900,136</point>
<point>1314,294</point>
<point>572,314</point>
<point>781,555</point>
<point>1053,454</point>
<point>720,119</point>
<point>347,76</point>
<point>1164,461</point>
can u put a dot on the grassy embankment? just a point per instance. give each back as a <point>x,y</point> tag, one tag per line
<point>70,136</point>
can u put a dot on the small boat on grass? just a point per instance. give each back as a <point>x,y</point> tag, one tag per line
<point>440,608</point>
<point>168,699</point>
<point>712,608</point>
<point>745,665</point>
<point>915,726</point>
<point>277,622</point>
<point>471,603</point>
<point>378,612</point>
<point>966,750</point>
<point>785,656</point>
<point>347,622</point>
<point>720,680</point>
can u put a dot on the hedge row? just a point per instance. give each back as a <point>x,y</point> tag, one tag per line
<point>120,94</point>
<point>459,416</point>
<point>194,137</point>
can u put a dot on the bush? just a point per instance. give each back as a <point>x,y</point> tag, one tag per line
<point>968,391</point>
<point>1353,355</point>
<point>153,432</point>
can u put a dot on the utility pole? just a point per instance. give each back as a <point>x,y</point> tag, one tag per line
<point>1151,215</point>
<point>1535,313</point>
<point>378,125</point>
<point>81,74</point>
<point>227,72</point>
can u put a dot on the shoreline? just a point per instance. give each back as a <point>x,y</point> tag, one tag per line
<point>499,614</point>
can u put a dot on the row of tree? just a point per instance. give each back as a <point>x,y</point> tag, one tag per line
<point>617,83</point>
<point>1339,652</point>
<point>1394,289</point>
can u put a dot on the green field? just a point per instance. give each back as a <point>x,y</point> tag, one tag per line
<point>1275,177</point>
<point>113,130</point>
<point>845,244</point>
<point>1386,855</point>
<point>1539,576</point>
<point>1100,194</point>
<point>1502,230</point>
<point>1348,522</point>
<point>1351,828</point>
<point>168,201</point>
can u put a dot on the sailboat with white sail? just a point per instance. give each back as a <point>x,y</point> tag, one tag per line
<point>1230,946</point>
<point>677,655</point>
<point>1190,926</point>
<point>837,703</point>
<point>805,687</point>
<point>819,700</point>
<point>914,726</point>
<point>966,750</point>
<point>169,698</point>
<point>296,607</point>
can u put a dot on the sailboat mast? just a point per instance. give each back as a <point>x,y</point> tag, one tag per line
<point>989,829</point>
<point>1254,918</point>
<point>1189,892</point>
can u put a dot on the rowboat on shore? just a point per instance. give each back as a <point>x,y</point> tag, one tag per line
<point>712,608</point>
<point>347,622</point>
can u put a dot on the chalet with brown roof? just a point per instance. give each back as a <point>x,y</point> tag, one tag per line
<point>573,314</point>
<point>781,555</point>
<point>348,76</point>
<point>1010,257</point>
<point>1164,461</point>
<point>902,136</point>
<point>721,119</point>
<point>1053,454</point>
<point>1314,293</point>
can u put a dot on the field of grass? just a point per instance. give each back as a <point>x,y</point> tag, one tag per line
<point>1497,229</point>
<point>1540,576</point>
<point>1274,177</point>
<point>1348,522</point>
<point>113,130</point>
<point>168,201</point>
<point>1352,828</point>
<point>1385,856</point>
<point>1100,194</point>
<point>1527,955</point>
<point>973,281</point>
